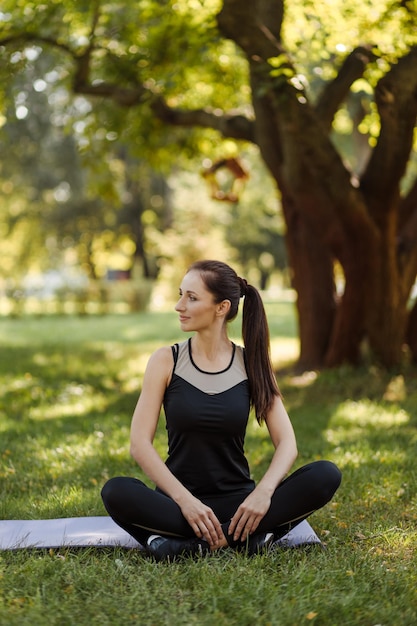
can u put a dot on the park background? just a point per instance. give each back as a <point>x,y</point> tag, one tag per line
<point>136,137</point>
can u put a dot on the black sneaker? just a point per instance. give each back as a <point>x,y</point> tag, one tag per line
<point>168,549</point>
<point>257,543</point>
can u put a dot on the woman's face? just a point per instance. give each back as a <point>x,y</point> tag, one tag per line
<point>196,307</point>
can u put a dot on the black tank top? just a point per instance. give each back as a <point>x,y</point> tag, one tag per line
<point>206,418</point>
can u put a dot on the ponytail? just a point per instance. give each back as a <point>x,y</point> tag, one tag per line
<point>255,333</point>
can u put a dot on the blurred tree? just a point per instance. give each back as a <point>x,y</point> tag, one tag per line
<point>288,84</point>
<point>51,203</point>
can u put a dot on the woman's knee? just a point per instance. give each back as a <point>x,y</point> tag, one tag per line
<point>328,476</point>
<point>112,491</point>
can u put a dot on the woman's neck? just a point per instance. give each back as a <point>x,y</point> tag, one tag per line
<point>212,349</point>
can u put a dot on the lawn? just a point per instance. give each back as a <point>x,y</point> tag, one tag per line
<point>68,386</point>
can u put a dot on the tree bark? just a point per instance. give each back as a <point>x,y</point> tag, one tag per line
<point>316,300</point>
<point>326,219</point>
<point>411,334</point>
<point>308,257</point>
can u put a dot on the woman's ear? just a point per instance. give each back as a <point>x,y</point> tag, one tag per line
<point>223,307</point>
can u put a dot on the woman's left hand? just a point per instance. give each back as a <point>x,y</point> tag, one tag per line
<point>247,517</point>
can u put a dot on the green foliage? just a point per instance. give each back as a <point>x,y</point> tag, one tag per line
<point>71,184</point>
<point>58,204</point>
<point>174,49</point>
<point>170,48</point>
<point>318,37</point>
<point>68,388</point>
<point>319,32</point>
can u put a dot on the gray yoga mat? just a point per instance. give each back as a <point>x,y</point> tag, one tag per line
<point>99,531</point>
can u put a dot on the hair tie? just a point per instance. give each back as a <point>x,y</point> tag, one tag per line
<point>243,286</point>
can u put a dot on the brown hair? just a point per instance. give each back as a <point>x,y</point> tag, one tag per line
<point>223,282</point>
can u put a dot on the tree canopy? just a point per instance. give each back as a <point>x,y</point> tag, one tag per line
<point>328,91</point>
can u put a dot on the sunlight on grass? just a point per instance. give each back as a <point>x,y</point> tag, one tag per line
<point>367,413</point>
<point>283,351</point>
<point>356,430</point>
<point>73,400</point>
<point>351,418</point>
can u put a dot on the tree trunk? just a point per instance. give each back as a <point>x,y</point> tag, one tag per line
<point>310,262</point>
<point>330,329</point>
<point>412,332</point>
<point>316,299</point>
<point>387,313</point>
<point>350,323</point>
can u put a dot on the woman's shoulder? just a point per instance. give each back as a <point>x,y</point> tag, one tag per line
<point>161,356</point>
<point>166,355</point>
<point>160,366</point>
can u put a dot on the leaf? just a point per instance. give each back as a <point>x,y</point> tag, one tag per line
<point>311,615</point>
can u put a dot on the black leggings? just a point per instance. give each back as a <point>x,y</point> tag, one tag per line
<point>143,511</point>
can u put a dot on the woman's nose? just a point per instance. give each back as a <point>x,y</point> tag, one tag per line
<point>180,305</point>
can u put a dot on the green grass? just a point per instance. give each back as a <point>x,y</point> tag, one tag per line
<point>68,387</point>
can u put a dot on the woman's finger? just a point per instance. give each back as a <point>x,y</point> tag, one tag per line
<point>240,526</point>
<point>207,529</point>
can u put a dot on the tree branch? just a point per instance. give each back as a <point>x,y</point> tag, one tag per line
<point>230,125</point>
<point>335,92</point>
<point>34,37</point>
<point>124,96</point>
<point>83,60</point>
<point>243,22</point>
<point>408,205</point>
<point>396,99</point>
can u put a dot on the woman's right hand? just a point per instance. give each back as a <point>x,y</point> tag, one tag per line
<point>202,520</point>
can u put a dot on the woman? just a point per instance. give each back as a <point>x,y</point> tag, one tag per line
<point>205,498</point>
